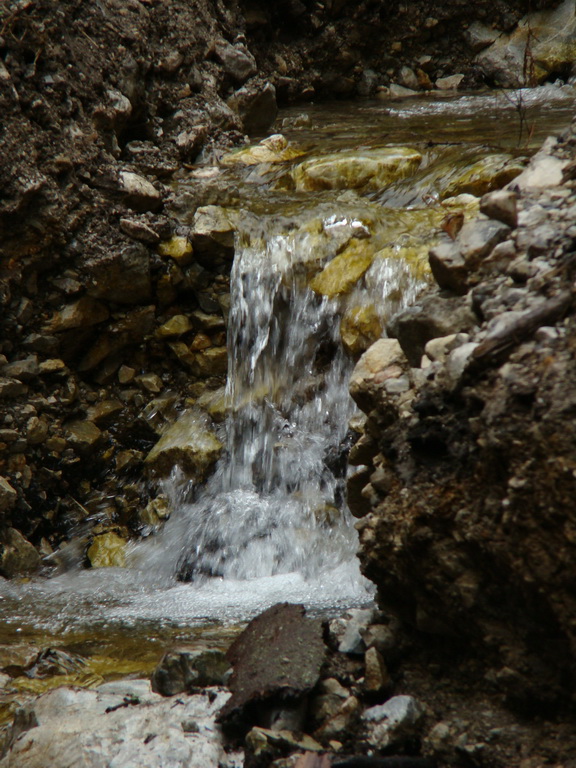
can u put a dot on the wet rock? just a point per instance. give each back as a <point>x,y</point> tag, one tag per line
<point>277,657</point>
<point>236,60</point>
<point>352,170</point>
<point>359,328</point>
<point>408,78</point>
<point>107,551</point>
<point>189,444</point>
<point>398,91</point>
<point>139,194</point>
<point>435,316</point>
<point>256,106</point>
<point>502,206</point>
<point>384,360</point>
<point>392,723</point>
<point>84,312</point>
<point>450,83</point>
<point>8,495</point>
<point>176,326</point>
<point>210,362</point>
<point>183,669</point>
<point>274,149</point>
<point>17,556</point>
<point>492,172</point>
<point>122,277</point>
<point>341,274</point>
<point>545,39</point>
<point>122,724</point>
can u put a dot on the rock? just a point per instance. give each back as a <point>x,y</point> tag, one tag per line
<point>53,365</point>
<point>342,722</point>
<point>544,39</point>
<point>151,382</point>
<point>210,362</point>
<point>449,267</point>
<point>178,248</point>
<point>264,745</point>
<point>122,277</point>
<point>435,316</point>
<point>256,106</point>
<point>189,444</point>
<point>353,170</point>
<point>274,149</point>
<point>477,239</point>
<point>341,274</point>
<point>502,206</point>
<point>23,370</point>
<point>492,172</point>
<point>277,658</point>
<point>408,78</point>
<point>84,312</point>
<point>183,669</point>
<point>346,632</point>
<point>450,83</point>
<point>8,496</point>
<point>139,194</point>
<point>382,361</point>
<point>83,435</point>
<point>236,60</point>
<point>114,114</point>
<point>213,231</point>
<point>376,676</point>
<point>36,431</point>
<point>359,328</point>
<point>17,556</point>
<point>400,91</point>
<point>10,388</point>
<point>120,724</point>
<point>176,326</point>
<point>138,230</point>
<point>392,723</point>
<point>480,36</point>
<point>107,551</point>
<point>102,414</point>
<point>544,170</point>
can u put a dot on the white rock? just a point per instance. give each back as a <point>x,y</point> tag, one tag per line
<point>450,83</point>
<point>388,724</point>
<point>141,195</point>
<point>99,729</point>
<point>544,170</point>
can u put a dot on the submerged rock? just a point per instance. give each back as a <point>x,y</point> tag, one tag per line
<point>374,168</point>
<point>492,172</point>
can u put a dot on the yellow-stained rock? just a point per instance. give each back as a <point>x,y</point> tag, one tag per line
<point>176,326</point>
<point>492,172</point>
<point>274,149</point>
<point>359,328</point>
<point>373,168</point>
<point>178,248</point>
<point>341,274</point>
<point>189,444</point>
<point>107,551</point>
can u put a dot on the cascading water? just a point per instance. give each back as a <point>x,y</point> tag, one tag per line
<point>276,501</point>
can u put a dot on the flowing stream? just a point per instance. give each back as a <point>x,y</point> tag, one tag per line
<point>271,524</point>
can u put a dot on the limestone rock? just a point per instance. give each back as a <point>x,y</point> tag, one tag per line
<point>390,724</point>
<point>189,444</point>
<point>478,238</point>
<point>182,669</point>
<point>449,267</point>
<point>398,91</point>
<point>359,328</point>
<point>213,231</point>
<point>256,106</point>
<point>274,149</point>
<point>501,205</point>
<point>17,556</point>
<point>107,551</point>
<point>544,170</point>
<point>384,360</point>
<point>352,170</point>
<point>83,435</point>
<point>105,412</point>
<point>120,724</point>
<point>139,193</point>
<point>492,172</point>
<point>450,83</point>
<point>341,274</point>
<point>480,36</point>
<point>8,495</point>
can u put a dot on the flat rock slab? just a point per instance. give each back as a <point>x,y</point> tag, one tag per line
<point>276,659</point>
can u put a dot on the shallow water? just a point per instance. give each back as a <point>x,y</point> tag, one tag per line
<point>122,619</point>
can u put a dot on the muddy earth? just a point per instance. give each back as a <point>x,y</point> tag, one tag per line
<point>466,469</point>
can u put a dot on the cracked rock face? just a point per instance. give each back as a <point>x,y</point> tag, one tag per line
<point>468,526</point>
